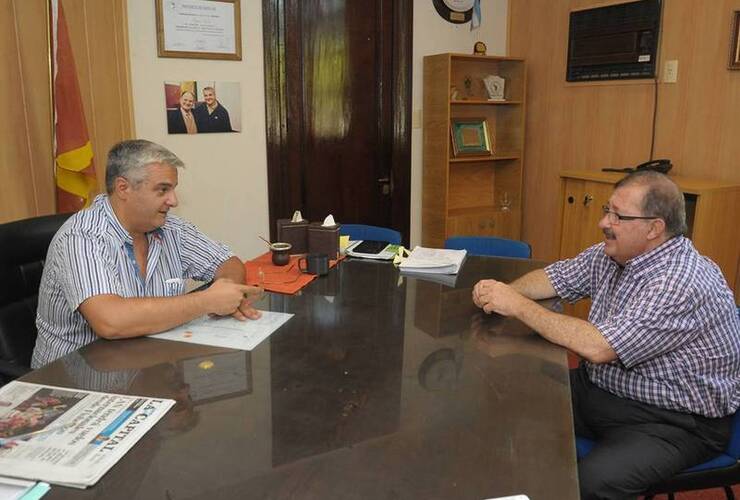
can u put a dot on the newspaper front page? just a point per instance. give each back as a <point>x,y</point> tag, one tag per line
<point>67,436</point>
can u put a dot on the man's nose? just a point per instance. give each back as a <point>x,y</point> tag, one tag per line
<point>172,200</point>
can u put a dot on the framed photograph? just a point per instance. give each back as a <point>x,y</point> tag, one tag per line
<point>199,29</point>
<point>202,106</point>
<point>470,136</point>
<point>734,62</point>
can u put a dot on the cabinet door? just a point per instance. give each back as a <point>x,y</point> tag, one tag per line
<point>582,202</point>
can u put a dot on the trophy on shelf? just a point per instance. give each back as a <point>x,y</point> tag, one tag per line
<point>494,87</point>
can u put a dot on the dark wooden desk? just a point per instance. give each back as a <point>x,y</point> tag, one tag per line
<point>380,387</point>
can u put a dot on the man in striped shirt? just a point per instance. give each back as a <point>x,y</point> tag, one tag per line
<point>661,347</point>
<point>117,269</point>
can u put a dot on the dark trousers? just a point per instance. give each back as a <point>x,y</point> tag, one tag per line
<point>637,444</point>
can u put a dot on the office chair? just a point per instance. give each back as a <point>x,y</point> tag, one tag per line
<point>490,246</point>
<point>720,472</point>
<point>374,233</point>
<point>23,246</point>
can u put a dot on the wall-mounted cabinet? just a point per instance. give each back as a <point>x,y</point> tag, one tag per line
<point>472,195</point>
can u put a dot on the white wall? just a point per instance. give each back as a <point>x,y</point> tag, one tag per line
<point>224,187</point>
<point>434,35</point>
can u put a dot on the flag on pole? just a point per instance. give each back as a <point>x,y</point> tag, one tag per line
<point>475,19</point>
<point>74,168</point>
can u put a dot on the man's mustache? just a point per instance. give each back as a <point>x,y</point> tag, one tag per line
<point>609,234</point>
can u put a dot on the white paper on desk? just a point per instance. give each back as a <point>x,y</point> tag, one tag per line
<point>227,331</point>
<point>433,260</point>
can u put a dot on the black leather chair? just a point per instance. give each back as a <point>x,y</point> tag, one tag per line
<point>23,246</point>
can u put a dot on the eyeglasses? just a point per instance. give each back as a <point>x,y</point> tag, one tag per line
<point>614,218</point>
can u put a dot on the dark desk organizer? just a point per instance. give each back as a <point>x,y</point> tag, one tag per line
<point>323,239</point>
<point>295,233</point>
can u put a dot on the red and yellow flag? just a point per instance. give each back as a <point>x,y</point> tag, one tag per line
<point>75,171</point>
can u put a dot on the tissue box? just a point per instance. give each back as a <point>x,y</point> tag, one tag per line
<point>323,239</point>
<point>295,233</point>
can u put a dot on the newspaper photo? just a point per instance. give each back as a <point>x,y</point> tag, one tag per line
<point>69,437</point>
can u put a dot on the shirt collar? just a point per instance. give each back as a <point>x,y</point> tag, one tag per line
<point>117,229</point>
<point>649,260</point>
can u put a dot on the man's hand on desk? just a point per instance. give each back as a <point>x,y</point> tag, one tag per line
<point>498,297</point>
<point>224,298</point>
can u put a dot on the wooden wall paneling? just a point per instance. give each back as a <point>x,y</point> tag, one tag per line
<point>37,92</point>
<point>108,100</point>
<point>123,70</point>
<point>592,125</point>
<point>18,198</point>
<point>98,35</point>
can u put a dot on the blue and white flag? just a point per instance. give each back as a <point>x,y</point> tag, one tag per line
<point>475,20</point>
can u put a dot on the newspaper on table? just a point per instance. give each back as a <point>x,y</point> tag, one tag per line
<point>67,436</point>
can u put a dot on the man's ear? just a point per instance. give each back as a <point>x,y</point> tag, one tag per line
<point>657,229</point>
<point>121,188</point>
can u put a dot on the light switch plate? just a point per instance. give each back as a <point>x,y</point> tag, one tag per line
<point>416,119</point>
<point>670,71</point>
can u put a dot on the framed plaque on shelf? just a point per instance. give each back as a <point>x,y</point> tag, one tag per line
<point>470,136</point>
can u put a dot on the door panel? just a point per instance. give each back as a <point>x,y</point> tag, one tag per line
<point>337,84</point>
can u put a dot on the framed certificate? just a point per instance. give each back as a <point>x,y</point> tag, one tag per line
<point>199,29</point>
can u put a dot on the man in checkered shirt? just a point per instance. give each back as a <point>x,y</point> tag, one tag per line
<point>660,378</point>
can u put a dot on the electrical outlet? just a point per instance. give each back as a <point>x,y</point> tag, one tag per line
<point>670,71</point>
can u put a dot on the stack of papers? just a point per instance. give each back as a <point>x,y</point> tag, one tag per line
<point>433,261</point>
<point>69,437</point>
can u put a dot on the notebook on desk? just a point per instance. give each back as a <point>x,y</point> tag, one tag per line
<point>371,249</point>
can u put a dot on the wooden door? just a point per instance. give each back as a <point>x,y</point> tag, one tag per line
<point>338,92</point>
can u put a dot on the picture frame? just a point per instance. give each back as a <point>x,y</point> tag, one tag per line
<point>734,56</point>
<point>199,29</point>
<point>470,137</point>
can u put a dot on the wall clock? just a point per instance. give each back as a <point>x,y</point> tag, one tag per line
<point>454,11</point>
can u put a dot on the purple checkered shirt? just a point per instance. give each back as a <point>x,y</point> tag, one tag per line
<point>670,317</point>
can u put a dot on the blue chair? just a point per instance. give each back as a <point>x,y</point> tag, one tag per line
<point>490,246</point>
<point>720,472</point>
<point>374,233</point>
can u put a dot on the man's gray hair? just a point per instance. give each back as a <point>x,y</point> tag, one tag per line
<point>129,159</point>
<point>662,199</point>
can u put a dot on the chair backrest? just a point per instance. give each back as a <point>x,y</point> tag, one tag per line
<point>490,246</point>
<point>375,233</point>
<point>23,246</point>
<point>733,447</point>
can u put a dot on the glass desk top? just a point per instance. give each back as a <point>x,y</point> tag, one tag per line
<point>381,387</point>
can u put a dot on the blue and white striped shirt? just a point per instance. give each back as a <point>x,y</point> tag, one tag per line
<point>92,254</point>
<point>670,317</point>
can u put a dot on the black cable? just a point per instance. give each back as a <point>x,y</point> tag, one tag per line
<point>655,115</point>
